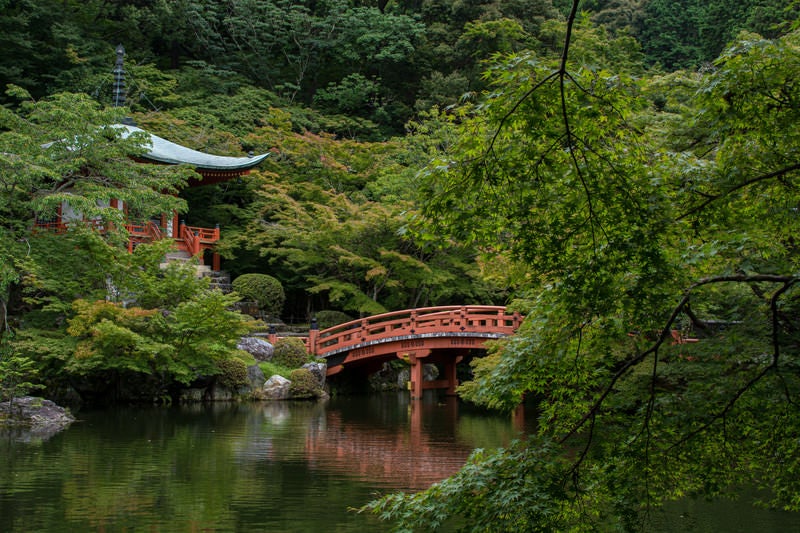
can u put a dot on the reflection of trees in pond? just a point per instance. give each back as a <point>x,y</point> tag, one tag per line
<point>130,469</point>
<point>485,432</point>
<point>226,466</point>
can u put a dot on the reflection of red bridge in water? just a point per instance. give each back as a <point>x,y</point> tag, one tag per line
<point>409,459</point>
<point>440,335</point>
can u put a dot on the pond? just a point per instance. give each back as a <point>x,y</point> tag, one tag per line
<point>287,467</point>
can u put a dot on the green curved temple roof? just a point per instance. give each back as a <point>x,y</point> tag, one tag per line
<point>164,151</point>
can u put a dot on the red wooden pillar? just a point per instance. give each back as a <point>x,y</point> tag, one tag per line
<point>450,374</point>
<point>416,377</point>
<point>215,259</point>
<point>313,334</point>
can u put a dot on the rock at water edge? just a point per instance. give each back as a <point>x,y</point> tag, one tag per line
<point>276,388</point>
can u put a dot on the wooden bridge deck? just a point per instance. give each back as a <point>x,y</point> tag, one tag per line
<point>488,321</point>
<point>441,335</point>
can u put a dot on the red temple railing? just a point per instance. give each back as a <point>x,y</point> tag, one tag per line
<point>476,319</point>
<point>191,239</point>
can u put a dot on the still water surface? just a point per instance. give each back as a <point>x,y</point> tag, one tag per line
<point>276,467</point>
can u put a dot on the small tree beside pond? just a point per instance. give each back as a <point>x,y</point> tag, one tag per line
<point>15,373</point>
<point>266,291</point>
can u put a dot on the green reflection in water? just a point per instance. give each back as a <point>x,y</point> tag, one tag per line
<point>246,467</point>
<point>289,467</point>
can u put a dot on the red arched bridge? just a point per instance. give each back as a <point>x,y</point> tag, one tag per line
<point>440,335</point>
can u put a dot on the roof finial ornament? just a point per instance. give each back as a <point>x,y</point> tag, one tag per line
<point>119,78</point>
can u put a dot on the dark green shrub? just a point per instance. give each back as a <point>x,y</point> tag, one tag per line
<point>304,384</point>
<point>327,319</point>
<point>232,373</point>
<point>290,352</point>
<point>263,289</point>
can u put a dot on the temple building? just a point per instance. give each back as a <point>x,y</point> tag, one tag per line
<point>194,241</point>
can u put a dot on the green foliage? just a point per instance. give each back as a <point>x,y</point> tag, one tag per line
<point>290,352</point>
<point>292,49</point>
<point>232,373</point>
<point>265,290</point>
<point>157,285</point>
<point>177,345</point>
<point>17,373</point>
<point>618,204</point>
<point>694,32</point>
<point>488,494</point>
<point>637,224</point>
<point>329,318</point>
<point>355,95</point>
<point>115,338</point>
<point>475,390</point>
<point>270,368</point>
<point>204,330</point>
<point>357,254</point>
<point>64,150</point>
<point>304,384</point>
<point>485,38</point>
<point>61,150</point>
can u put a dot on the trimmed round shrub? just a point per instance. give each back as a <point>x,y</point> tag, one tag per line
<point>263,289</point>
<point>290,352</point>
<point>328,319</point>
<point>304,384</point>
<point>233,373</point>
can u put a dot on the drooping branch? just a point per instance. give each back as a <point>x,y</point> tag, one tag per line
<point>773,305</point>
<point>561,72</point>
<point>562,77</point>
<point>516,106</point>
<point>787,282</point>
<point>758,179</point>
<point>755,379</point>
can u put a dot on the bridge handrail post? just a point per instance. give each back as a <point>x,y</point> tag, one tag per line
<point>313,335</point>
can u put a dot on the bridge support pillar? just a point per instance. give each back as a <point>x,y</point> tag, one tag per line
<point>450,375</point>
<point>416,381</point>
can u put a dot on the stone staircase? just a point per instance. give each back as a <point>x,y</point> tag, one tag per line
<point>219,278</point>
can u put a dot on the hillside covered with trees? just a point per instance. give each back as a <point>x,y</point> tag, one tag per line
<point>624,173</point>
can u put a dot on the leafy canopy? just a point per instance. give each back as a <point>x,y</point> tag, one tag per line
<point>644,209</point>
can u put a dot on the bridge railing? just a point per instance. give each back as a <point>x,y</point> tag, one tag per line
<point>434,320</point>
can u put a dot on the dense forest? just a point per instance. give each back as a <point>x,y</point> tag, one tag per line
<point>624,173</point>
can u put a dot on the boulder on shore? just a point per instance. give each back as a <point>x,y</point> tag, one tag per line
<point>276,388</point>
<point>34,416</point>
<point>319,371</point>
<point>258,348</point>
<point>256,378</point>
